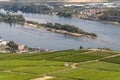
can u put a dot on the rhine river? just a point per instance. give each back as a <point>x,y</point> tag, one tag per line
<point>108,34</point>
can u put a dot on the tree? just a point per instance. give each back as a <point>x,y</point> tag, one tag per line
<point>12,50</point>
<point>12,46</point>
<point>81,47</point>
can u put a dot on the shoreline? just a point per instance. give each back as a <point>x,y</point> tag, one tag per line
<point>110,22</point>
<point>65,32</point>
<point>94,19</point>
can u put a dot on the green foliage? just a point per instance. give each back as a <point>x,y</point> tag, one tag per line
<point>101,66</point>
<point>12,46</point>
<point>27,8</point>
<point>64,56</point>
<point>12,18</point>
<point>91,34</point>
<point>86,74</point>
<point>27,69</point>
<point>111,15</point>
<point>69,28</point>
<point>81,47</point>
<point>113,60</point>
<point>16,76</point>
<point>102,54</point>
<point>43,56</point>
<point>29,66</point>
<point>32,67</point>
<point>64,14</point>
<point>78,57</point>
<point>42,9</point>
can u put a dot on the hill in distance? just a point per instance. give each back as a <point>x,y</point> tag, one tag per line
<point>59,0</point>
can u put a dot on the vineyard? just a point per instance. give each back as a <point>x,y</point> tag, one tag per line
<point>61,65</point>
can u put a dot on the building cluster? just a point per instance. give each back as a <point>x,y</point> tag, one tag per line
<point>94,5</point>
<point>19,48</point>
<point>85,10</point>
<point>85,5</point>
<point>90,12</point>
<point>3,42</point>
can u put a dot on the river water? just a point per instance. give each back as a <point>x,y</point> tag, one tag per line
<point>108,34</point>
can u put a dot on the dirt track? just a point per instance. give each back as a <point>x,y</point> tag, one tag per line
<point>43,78</point>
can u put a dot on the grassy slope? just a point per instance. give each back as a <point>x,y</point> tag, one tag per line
<point>113,60</point>
<point>29,66</point>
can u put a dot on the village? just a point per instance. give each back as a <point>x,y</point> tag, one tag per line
<point>90,10</point>
<point>83,10</point>
<point>12,47</point>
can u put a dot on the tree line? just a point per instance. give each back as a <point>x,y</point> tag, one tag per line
<point>69,28</point>
<point>12,18</point>
<point>110,15</point>
<point>27,8</point>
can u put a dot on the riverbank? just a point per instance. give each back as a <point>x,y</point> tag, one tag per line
<point>65,32</point>
<point>94,18</point>
<point>106,22</point>
<point>109,22</point>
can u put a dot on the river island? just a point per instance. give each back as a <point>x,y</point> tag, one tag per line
<point>57,27</point>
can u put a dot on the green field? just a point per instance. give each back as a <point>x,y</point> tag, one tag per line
<point>83,65</point>
<point>112,60</point>
<point>87,74</point>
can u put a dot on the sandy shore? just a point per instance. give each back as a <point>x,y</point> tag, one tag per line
<point>65,32</point>
<point>31,25</point>
<point>109,22</point>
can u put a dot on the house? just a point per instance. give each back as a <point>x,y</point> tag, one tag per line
<point>3,42</point>
<point>20,47</point>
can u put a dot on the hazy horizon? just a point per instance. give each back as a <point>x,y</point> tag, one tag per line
<point>57,0</point>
